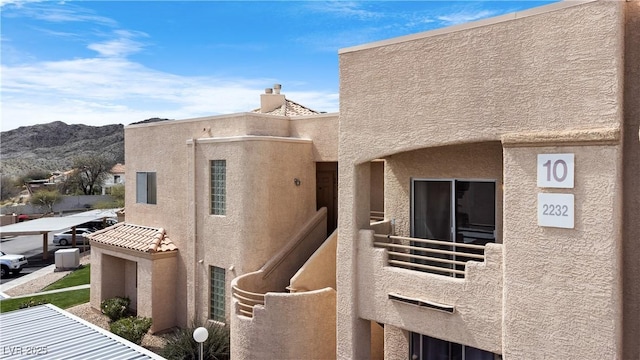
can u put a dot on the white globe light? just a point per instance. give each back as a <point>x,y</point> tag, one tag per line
<point>200,334</point>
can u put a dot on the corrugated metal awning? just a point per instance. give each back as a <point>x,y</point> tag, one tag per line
<point>54,224</point>
<point>49,332</point>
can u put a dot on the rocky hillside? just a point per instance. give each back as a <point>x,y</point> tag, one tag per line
<point>53,146</point>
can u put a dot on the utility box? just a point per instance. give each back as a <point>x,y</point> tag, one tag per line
<point>67,259</point>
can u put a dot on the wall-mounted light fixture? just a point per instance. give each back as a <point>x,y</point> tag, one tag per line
<point>297,181</point>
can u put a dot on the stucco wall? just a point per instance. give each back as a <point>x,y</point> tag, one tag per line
<point>288,326</point>
<point>147,279</point>
<point>260,178</point>
<point>565,281</point>
<point>463,162</point>
<point>264,207</point>
<point>162,297</point>
<point>320,270</point>
<point>477,299</point>
<point>550,69</point>
<point>538,72</point>
<point>323,130</point>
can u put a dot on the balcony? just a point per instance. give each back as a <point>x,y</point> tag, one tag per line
<point>433,256</point>
<point>441,289</point>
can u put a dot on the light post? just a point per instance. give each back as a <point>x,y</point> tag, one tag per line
<point>200,335</point>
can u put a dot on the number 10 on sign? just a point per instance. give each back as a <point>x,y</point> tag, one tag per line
<point>555,170</point>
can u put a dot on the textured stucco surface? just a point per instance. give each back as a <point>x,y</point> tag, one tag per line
<point>288,326</point>
<point>481,161</point>
<point>562,286</point>
<point>323,130</point>
<point>264,154</point>
<point>320,270</point>
<point>554,70</point>
<point>149,280</point>
<point>538,73</point>
<point>477,299</point>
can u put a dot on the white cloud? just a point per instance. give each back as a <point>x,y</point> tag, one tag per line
<point>352,9</point>
<point>121,46</point>
<point>56,13</point>
<point>465,16</point>
<point>107,90</point>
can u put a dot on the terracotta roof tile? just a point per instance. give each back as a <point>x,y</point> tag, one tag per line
<point>292,108</point>
<point>135,237</point>
<point>117,169</point>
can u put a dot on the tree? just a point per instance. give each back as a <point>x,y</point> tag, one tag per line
<point>90,172</point>
<point>8,188</point>
<point>45,199</point>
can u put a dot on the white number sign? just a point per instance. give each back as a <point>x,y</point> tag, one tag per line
<point>555,170</point>
<point>556,210</point>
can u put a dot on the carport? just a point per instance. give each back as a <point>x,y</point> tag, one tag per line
<point>55,224</point>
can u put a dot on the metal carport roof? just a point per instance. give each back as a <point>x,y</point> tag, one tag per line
<point>49,332</point>
<point>49,224</point>
<point>54,224</point>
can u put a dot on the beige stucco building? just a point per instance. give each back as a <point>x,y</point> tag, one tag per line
<point>487,205</point>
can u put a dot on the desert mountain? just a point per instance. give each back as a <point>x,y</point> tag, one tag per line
<point>53,146</point>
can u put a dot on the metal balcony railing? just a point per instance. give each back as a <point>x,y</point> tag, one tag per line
<point>432,256</point>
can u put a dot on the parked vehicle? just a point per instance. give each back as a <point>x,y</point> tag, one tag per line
<point>99,224</point>
<point>64,238</point>
<point>11,263</point>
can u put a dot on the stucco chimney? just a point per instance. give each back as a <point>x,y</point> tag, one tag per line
<point>270,101</point>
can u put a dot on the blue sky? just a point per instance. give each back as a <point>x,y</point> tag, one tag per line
<point>118,62</point>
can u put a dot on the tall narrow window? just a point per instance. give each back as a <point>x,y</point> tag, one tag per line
<point>146,187</point>
<point>218,187</point>
<point>216,308</point>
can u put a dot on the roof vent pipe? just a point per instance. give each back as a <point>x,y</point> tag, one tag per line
<point>268,91</point>
<point>276,88</point>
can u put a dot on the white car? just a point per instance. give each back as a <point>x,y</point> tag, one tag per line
<point>11,263</point>
<point>64,238</point>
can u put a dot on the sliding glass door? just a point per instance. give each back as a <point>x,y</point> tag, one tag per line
<point>423,347</point>
<point>455,211</point>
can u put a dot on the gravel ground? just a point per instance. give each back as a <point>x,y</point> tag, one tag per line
<point>84,311</point>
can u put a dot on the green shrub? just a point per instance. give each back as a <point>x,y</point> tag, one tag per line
<point>181,345</point>
<point>33,302</point>
<point>131,328</point>
<point>115,308</point>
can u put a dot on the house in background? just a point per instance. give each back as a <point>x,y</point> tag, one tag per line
<point>488,202</point>
<point>114,178</point>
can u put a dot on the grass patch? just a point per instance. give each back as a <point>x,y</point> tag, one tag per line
<point>63,300</point>
<point>75,278</point>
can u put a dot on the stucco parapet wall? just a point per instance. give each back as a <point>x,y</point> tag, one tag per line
<point>214,140</point>
<point>469,25</point>
<point>476,300</point>
<point>179,122</point>
<point>610,136</point>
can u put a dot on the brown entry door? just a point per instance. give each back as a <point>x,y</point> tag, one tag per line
<point>327,192</point>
